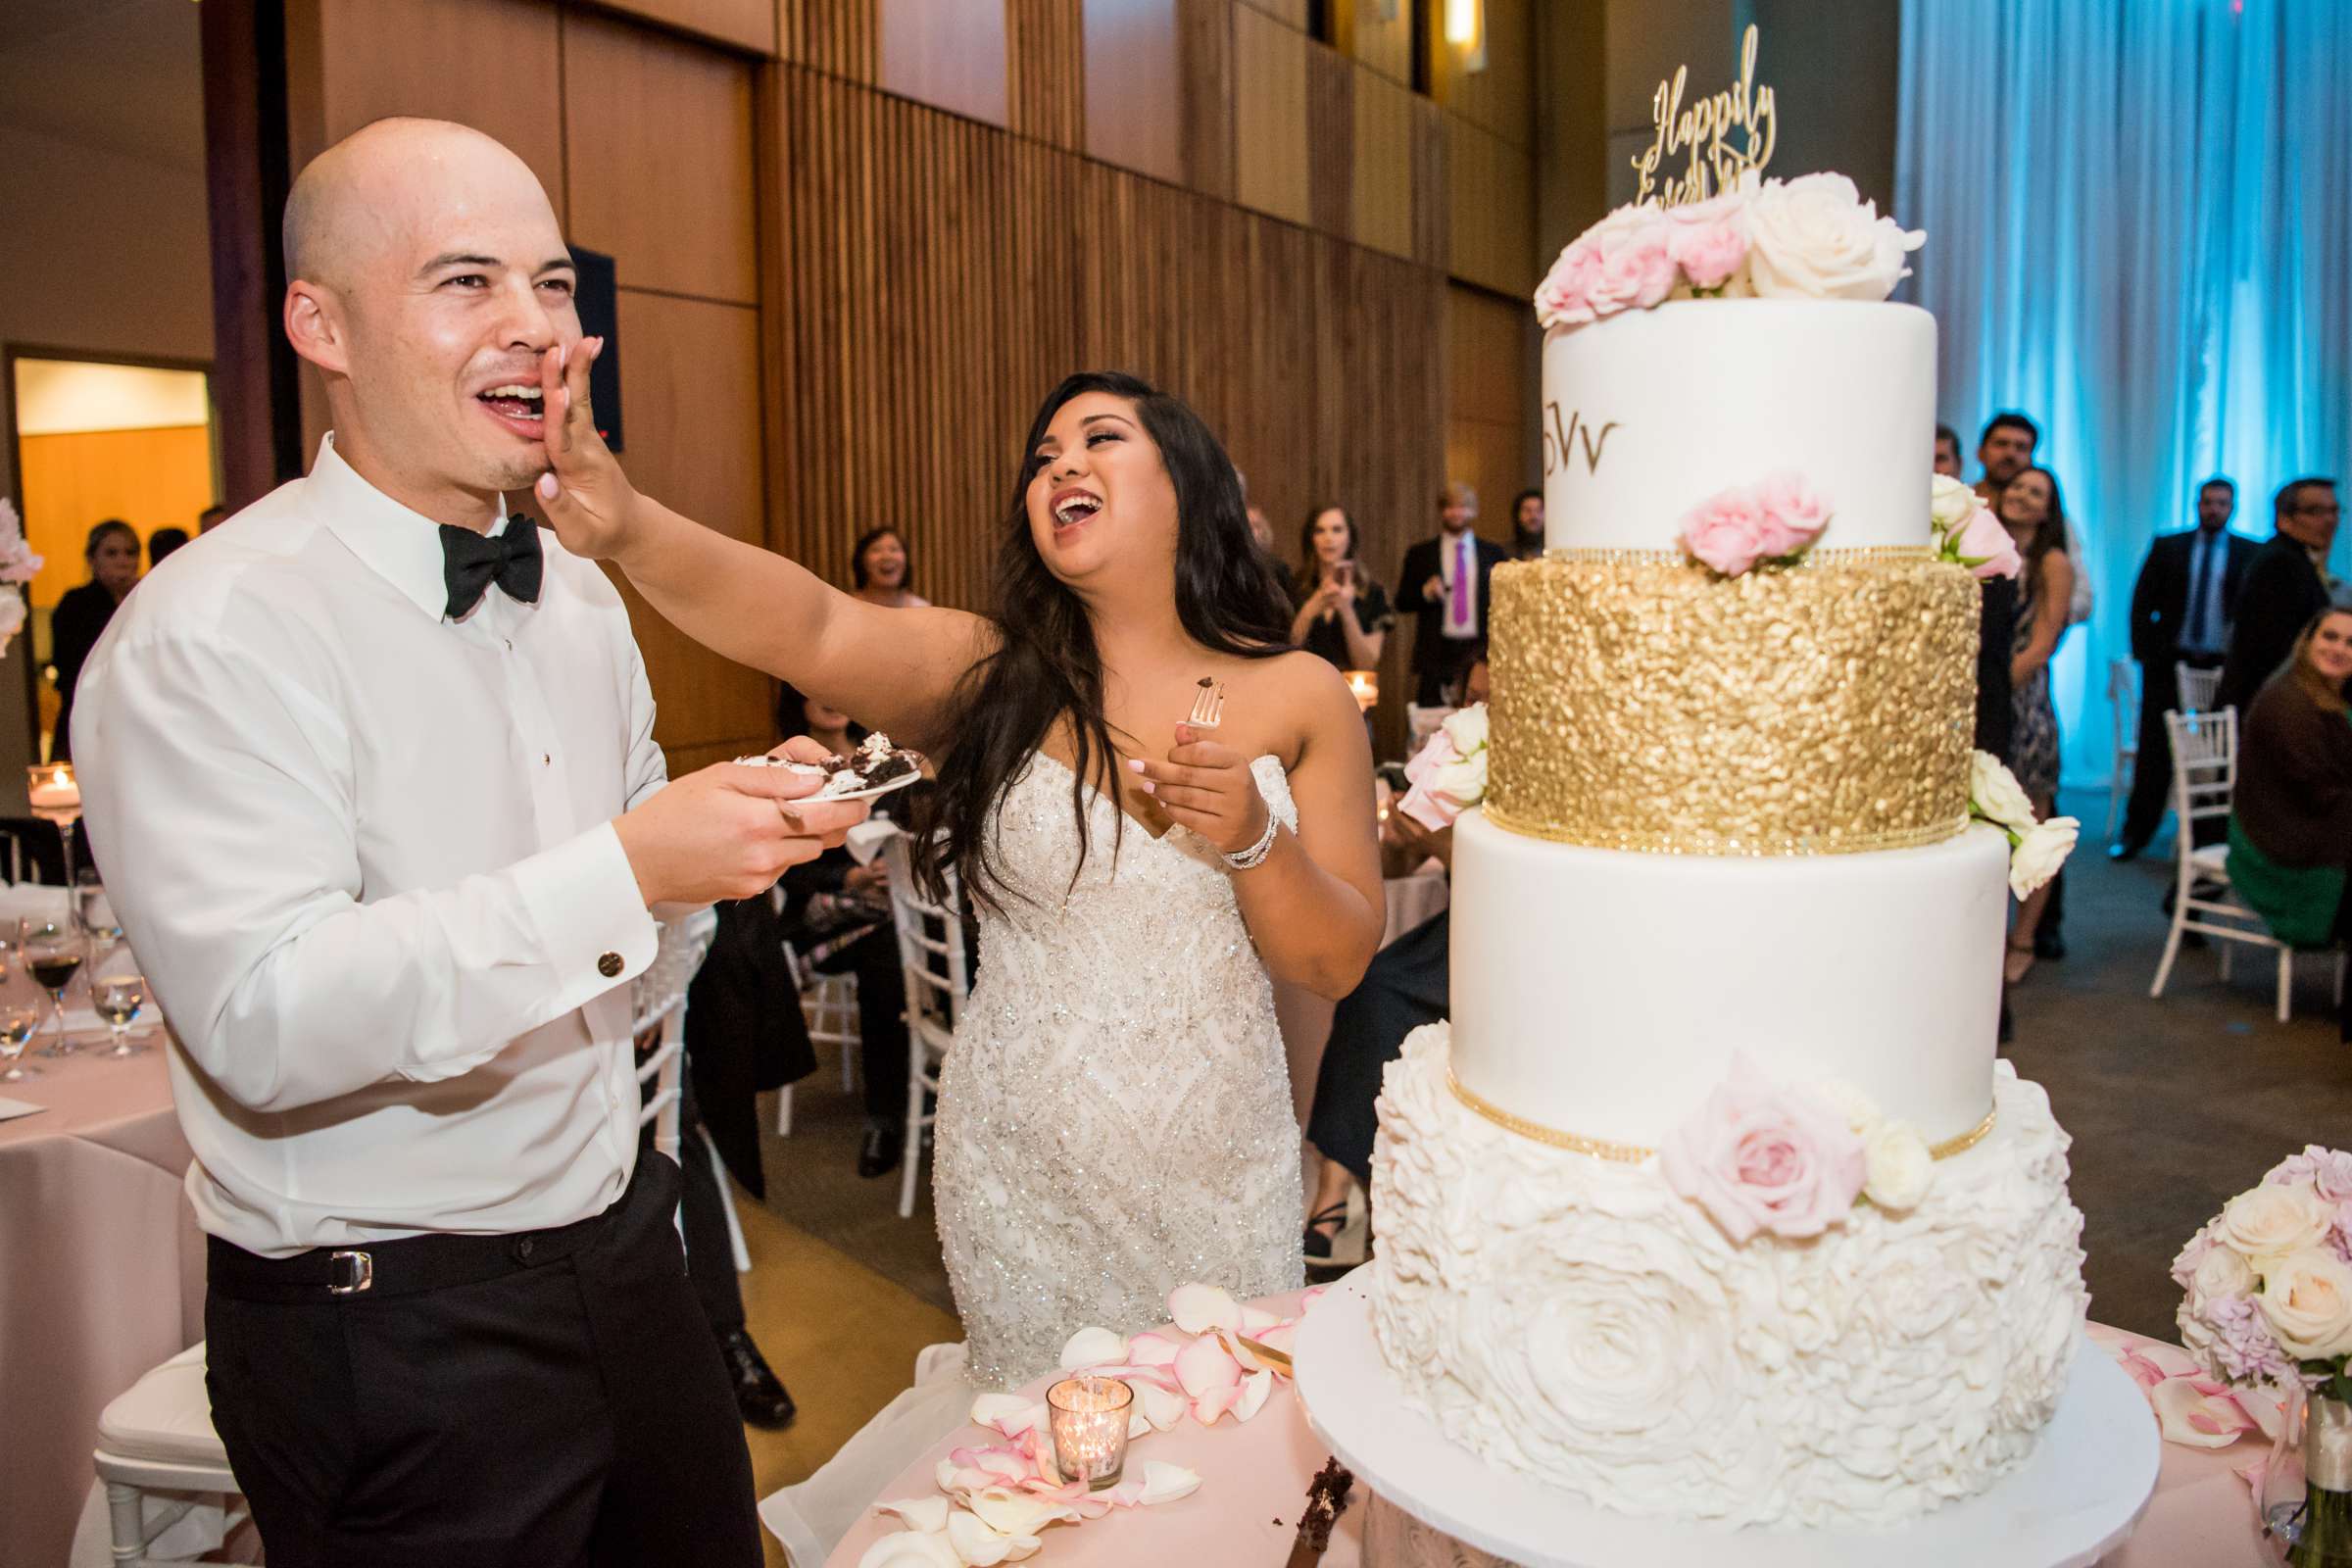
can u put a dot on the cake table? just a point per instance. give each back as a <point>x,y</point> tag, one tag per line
<point>1253,1475</point>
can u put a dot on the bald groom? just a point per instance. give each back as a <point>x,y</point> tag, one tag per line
<point>370,768</point>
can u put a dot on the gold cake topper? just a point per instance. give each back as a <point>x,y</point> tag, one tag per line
<point>1706,128</point>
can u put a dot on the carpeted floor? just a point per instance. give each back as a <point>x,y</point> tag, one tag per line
<point>2173,1105</point>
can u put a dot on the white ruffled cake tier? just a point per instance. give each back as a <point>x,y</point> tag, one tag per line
<point>1573,1319</point>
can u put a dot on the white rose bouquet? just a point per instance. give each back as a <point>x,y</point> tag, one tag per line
<point>2267,1301</point>
<point>2036,850</point>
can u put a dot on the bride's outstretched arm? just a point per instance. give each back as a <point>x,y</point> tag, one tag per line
<point>889,669</point>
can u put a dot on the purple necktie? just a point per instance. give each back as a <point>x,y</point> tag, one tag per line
<point>1461,615</point>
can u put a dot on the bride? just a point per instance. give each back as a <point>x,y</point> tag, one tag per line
<point>1115,1118</point>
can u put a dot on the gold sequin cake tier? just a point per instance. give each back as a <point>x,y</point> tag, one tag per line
<point>1649,705</point>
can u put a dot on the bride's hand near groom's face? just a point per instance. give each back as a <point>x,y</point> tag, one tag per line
<point>1208,788</point>
<point>589,501</point>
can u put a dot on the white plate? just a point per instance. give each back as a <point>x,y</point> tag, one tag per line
<point>2075,1500</point>
<point>870,793</point>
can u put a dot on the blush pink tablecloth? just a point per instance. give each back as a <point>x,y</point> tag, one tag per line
<point>101,1277</point>
<point>1254,1479</point>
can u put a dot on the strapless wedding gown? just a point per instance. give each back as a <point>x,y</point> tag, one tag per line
<point>1114,1119</point>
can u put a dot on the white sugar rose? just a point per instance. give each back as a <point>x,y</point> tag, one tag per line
<point>2222,1271</point>
<point>1466,727</point>
<point>1997,795</point>
<point>1464,781</point>
<point>2041,852</point>
<point>1950,503</point>
<point>2272,1221</point>
<point>1899,1169</point>
<point>2307,1298</point>
<point>1813,237</point>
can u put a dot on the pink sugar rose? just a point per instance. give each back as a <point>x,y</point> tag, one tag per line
<point>1985,546</point>
<point>1708,240</point>
<point>1728,531</point>
<point>1620,262</point>
<point>1760,1157</point>
<point>1565,296</point>
<point>1793,515</point>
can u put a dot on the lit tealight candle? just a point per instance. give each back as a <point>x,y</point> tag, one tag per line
<point>51,787</point>
<point>1089,1416</point>
<point>1364,684</point>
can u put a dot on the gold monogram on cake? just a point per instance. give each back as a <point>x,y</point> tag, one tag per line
<point>1706,128</point>
<point>1576,435</point>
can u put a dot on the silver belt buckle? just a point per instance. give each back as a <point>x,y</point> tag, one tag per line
<point>350,1273</point>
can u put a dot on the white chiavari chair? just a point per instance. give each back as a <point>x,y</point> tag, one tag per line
<point>829,1007</point>
<point>931,952</point>
<point>2196,688</point>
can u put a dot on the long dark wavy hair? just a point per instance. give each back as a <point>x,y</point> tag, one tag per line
<point>2051,534</point>
<point>1047,667</point>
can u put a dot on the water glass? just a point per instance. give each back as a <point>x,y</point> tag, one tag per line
<point>118,993</point>
<point>19,1018</point>
<point>94,910</point>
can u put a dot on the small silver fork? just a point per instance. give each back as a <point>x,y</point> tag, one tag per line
<point>1208,707</point>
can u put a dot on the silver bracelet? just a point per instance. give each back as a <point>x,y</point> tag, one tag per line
<point>1255,854</point>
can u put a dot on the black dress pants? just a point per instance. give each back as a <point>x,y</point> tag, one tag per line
<point>1406,986</point>
<point>881,1019</point>
<point>541,1400</point>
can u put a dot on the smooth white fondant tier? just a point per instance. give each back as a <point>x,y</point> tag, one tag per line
<point>1576,1320</point>
<point>1605,993</point>
<point>1707,394</point>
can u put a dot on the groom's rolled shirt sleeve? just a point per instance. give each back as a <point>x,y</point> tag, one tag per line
<point>239,886</point>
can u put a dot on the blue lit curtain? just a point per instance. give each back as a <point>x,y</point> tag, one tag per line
<point>2140,233</point>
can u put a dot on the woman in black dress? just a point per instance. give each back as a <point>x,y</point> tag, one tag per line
<point>81,615</point>
<point>1344,615</point>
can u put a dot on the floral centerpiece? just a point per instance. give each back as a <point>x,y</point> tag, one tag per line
<point>1813,237</point>
<point>2268,1303</point>
<point>17,564</point>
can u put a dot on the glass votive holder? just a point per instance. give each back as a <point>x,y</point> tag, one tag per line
<point>1089,1417</point>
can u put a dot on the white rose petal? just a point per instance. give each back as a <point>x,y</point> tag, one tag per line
<point>1167,1483</point>
<point>1996,794</point>
<point>920,1514</point>
<point>1465,782</point>
<point>2272,1221</point>
<point>2043,850</point>
<point>1861,1112</point>
<point>2307,1300</point>
<point>1255,1389</point>
<point>1009,1512</point>
<point>1950,503</point>
<point>1093,1347</point>
<point>975,1543</point>
<point>1898,1168</point>
<point>1162,1407</point>
<point>1199,1309</point>
<point>1466,727</point>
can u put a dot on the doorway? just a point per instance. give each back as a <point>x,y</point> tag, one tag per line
<point>99,438</point>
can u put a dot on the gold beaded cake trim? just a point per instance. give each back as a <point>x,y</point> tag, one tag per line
<point>1652,706</point>
<point>1634,1154</point>
<point>1636,556</point>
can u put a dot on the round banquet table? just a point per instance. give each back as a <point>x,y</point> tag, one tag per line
<point>100,1274</point>
<point>1254,1478</point>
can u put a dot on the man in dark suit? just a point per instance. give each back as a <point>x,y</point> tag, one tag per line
<point>2285,586</point>
<point>1445,581</point>
<point>2182,609</point>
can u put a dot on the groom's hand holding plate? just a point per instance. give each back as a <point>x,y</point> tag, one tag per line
<point>729,831</point>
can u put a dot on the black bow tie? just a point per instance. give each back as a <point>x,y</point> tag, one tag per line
<point>472,562</point>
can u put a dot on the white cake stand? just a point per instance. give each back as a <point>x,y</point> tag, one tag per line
<point>2076,1499</point>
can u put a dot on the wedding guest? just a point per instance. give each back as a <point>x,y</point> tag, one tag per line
<point>1406,986</point>
<point>374,782</point>
<point>879,570</point>
<point>1527,525</point>
<point>2004,449</point>
<point>2290,814</point>
<point>2035,517</point>
<point>836,914</point>
<point>161,543</point>
<point>2181,608</point>
<point>1344,615</point>
<point>2285,585</point>
<point>81,616</point>
<point>1445,581</point>
<point>1947,452</point>
<point>211,517</point>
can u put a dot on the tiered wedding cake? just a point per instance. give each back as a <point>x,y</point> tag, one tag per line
<point>1712,1201</point>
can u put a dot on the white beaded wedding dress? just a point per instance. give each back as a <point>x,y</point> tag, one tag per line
<point>1115,1121</point>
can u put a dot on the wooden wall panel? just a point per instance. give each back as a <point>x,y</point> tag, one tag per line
<point>1493,189</point>
<point>838,37</point>
<point>743,23</point>
<point>1291,13</point>
<point>1384,45</point>
<point>1385,168</point>
<point>1490,397</point>
<point>1332,155</point>
<point>1134,87</point>
<point>690,377</point>
<point>1270,172</point>
<point>1205,68</point>
<point>1046,68</point>
<point>661,143</point>
<point>1500,97</point>
<point>489,64</point>
<point>1432,177</point>
<point>946,53</point>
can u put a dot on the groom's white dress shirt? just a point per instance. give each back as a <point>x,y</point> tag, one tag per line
<point>363,855</point>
